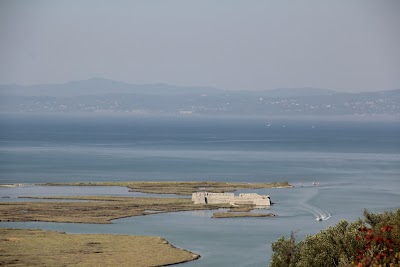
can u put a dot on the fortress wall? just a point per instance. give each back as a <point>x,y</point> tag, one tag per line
<point>218,198</point>
<point>254,198</point>
<point>199,198</point>
<point>262,202</point>
<point>249,195</point>
<point>242,202</point>
<point>220,194</point>
<point>258,201</point>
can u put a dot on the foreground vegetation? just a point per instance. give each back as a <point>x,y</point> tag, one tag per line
<point>20,247</point>
<point>180,188</point>
<point>374,241</point>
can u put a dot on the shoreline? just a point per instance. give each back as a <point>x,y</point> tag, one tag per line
<point>104,209</point>
<point>25,247</point>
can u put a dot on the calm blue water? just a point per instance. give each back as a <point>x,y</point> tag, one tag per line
<point>356,163</point>
<point>48,149</point>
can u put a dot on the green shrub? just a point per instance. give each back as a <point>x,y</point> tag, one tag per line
<point>286,252</point>
<point>345,244</point>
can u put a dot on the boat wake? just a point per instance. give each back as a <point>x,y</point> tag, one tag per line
<point>319,214</point>
<point>322,216</point>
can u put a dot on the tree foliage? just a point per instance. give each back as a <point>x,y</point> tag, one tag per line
<point>381,249</point>
<point>381,240</point>
<point>374,240</point>
<point>286,252</point>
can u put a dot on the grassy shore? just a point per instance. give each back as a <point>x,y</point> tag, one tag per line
<point>21,247</point>
<point>180,188</point>
<point>101,209</point>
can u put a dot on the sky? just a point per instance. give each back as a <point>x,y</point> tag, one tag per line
<point>340,45</point>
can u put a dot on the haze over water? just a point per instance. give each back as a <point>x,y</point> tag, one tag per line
<point>48,149</point>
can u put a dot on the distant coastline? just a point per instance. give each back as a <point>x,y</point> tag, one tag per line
<point>109,97</point>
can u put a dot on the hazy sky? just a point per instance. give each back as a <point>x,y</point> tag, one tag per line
<point>345,45</point>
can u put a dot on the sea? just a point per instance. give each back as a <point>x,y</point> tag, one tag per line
<point>337,169</point>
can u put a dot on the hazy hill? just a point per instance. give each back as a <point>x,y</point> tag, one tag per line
<point>306,91</point>
<point>102,95</point>
<point>100,86</point>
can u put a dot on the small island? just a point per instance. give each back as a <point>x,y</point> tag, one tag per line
<point>180,188</point>
<point>219,215</point>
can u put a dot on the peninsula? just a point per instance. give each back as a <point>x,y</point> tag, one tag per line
<point>26,247</point>
<point>104,209</point>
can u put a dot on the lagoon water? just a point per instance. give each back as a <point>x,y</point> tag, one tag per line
<point>357,165</point>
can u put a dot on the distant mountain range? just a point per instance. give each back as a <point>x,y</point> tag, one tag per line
<point>306,91</point>
<point>102,95</point>
<point>99,86</point>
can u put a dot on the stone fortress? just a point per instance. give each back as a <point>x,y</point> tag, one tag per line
<point>230,198</point>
